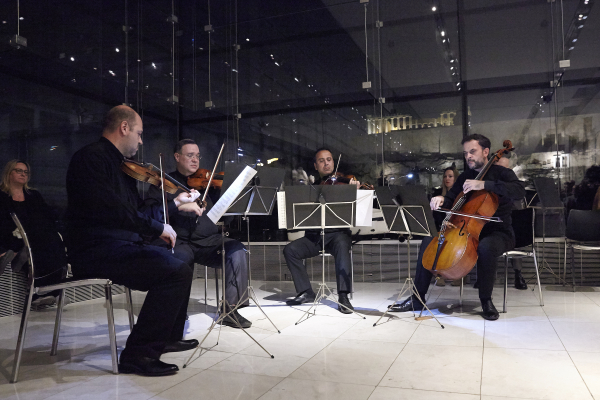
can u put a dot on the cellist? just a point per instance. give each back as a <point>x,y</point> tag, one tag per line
<point>495,237</point>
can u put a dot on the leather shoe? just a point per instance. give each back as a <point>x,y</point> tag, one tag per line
<point>181,345</point>
<point>146,366</point>
<point>410,304</point>
<point>306,297</point>
<point>232,320</point>
<point>520,281</point>
<point>489,311</point>
<point>345,307</point>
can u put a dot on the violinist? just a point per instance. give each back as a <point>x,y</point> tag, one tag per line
<point>106,220</point>
<point>337,243</point>
<point>198,238</point>
<point>495,237</point>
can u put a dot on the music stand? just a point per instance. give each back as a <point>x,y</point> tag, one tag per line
<point>549,202</point>
<point>321,207</point>
<point>258,198</point>
<point>404,210</point>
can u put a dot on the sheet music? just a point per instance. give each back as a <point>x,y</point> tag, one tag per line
<point>364,208</point>
<point>231,194</point>
<point>281,210</point>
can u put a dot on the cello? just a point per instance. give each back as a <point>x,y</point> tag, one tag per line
<point>453,253</point>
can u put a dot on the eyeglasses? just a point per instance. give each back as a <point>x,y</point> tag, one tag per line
<point>21,171</point>
<point>191,156</point>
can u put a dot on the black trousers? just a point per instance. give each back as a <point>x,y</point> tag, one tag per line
<point>491,246</point>
<point>236,265</point>
<point>338,244</point>
<point>147,268</point>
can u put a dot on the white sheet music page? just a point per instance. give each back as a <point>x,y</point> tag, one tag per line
<point>281,210</point>
<point>231,194</point>
<point>364,207</point>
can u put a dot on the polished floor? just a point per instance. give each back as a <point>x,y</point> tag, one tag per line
<point>532,352</point>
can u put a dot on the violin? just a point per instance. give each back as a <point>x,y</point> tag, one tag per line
<point>454,254</point>
<point>199,179</point>
<point>149,173</point>
<point>146,172</point>
<point>340,179</point>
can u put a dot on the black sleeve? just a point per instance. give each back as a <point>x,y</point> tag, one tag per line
<point>507,184</point>
<point>92,182</point>
<point>154,201</point>
<point>454,191</point>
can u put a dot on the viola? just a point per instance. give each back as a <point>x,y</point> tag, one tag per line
<point>340,179</point>
<point>199,179</point>
<point>453,253</point>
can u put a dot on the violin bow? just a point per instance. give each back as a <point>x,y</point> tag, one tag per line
<point>213,172</point>
<point>162,187</point>
<point>336,168</point>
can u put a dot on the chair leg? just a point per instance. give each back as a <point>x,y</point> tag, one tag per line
<point>505,283</point>
<point>111,327</point>
<point>573,266</point>
<point>129,301</point>
<point>537,273</point>
<point>462,288</point>
<point>59,311</point>
<point>205,286</point>
<point>21,339</point>
<point>217,285</point>
<point>351,276</point>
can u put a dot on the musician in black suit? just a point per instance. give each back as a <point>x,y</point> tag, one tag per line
<point>337,242</point>
<point>106,219</point>
<point>199,240</point>
<point>494,239</point>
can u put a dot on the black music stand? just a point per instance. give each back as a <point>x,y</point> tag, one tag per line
<point>406,212</point>
<point>223,306</point>
<point>550,203</point>
<point>321,207</point>
<point>258,198</point>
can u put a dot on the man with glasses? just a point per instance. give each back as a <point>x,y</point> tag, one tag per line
<point>198,238</point>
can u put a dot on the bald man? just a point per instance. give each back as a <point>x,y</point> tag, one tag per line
<point>106,220</point>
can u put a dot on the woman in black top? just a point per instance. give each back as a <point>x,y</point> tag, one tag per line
<point>37,218</point>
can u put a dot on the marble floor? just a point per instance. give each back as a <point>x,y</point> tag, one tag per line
<point>531,352</point>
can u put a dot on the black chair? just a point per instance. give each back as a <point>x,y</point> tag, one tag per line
<point>583,233</point>
<point>66,284</point>
<point>523,223</point>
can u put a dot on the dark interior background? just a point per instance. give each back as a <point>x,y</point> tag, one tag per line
<point>286,77</point>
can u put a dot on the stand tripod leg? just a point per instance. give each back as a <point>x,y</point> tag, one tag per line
<point>250,290</point>
<point>226,310</point>
<point>410,287</point>
<point>315,304</point>
<point>252,296</point>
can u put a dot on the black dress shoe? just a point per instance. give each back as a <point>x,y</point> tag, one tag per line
<point>520,281</point>
<point>181,345</point>
<point>146,366</point>
<point>489,311</point>
<point>230,320</point>
<point>345,307</point>
<point>409,304</point>
<point>306,297</point>
<point>476,285</point>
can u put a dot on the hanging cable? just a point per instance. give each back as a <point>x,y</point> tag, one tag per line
<point>126,29</point>
<point>366,46</point>
<point>237,74</point>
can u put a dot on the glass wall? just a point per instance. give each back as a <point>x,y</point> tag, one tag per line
<point>391,85</point>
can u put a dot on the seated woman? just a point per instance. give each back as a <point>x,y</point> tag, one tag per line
<point>37,218</point>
